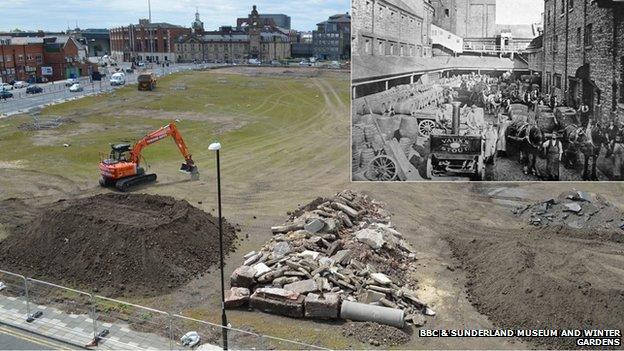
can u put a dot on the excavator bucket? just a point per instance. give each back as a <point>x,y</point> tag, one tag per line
<point>186,168</point>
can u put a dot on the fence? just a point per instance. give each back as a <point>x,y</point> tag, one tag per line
<point>83,318</point>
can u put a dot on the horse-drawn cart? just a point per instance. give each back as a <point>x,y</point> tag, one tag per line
<point>456,155</point>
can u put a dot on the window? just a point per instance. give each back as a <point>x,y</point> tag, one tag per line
<point>558,81</point>
<point>20,58</point>
<point>548,79</point>
<point>548,19</point>
<point>588,35</point>
<point>578,37</point>
<point>556,43</point>
<point>367,46</point>
<point>447,12</point>
<point>29,57</point>
<point>380,47</point>
<point>39,58</point>
<point>562,6</point>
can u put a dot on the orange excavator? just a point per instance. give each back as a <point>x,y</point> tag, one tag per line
<point>122,168</point>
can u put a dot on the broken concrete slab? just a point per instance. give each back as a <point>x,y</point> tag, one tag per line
<point>285,228</point>
<point>278,301</point>
<point>302,287</point>
<point>370,237</point>
<point>314,225</point>
<point>370,296</point>
<point>281,249</point>
<point>325,307</point>
<point>381,278</point>
<point>261,269</point>
<point>342,256</point>
<point>310,254</point>
<point>236,297</point>
<point>252,259</point>
<point>573,207</point>
<point>243,276</point>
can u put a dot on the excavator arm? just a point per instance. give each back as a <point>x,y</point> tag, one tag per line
<point>157,135</point>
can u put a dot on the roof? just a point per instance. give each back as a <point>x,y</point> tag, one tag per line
<point>517,30</point>
<point>536,43</point>
<point>381,66</point>
<point>25,40</point>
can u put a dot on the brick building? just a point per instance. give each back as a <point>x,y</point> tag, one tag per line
<point>20,58</point>
<point>584,54</point>
<point>23,58</point>
<point>332,38</point>
<point>535,56</point>
<point>254,39</point>
<point>391,28</point>
<point>147,41</point>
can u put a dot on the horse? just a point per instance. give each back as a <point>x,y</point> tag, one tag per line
<point>529,138</point>
<point>491,102</point>
<point>589,142</point>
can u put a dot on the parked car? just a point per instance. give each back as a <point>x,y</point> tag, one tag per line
<point>276,63</point>
<point>6,86</point>
<point>70,82</point>
<point>34,89</point>
<point>305,63</point>
<point>20,84</point>
<point>75,88</point>
<point>4,94</point>
<point>118,79</point>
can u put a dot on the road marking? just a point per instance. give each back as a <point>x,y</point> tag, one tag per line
<point>26,337</point>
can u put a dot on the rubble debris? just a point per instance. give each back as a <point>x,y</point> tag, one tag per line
<point>330,252</point>
<point>243,277</point>
<point>326,306</point>
<point>237,297</point>
<point>574,209</point>
<point>279,301</point>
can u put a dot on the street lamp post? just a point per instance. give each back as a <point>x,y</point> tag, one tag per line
<point>216,147</point>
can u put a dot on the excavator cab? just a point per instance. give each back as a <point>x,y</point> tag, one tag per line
<point>119,153</point>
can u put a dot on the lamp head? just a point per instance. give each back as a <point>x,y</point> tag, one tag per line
<point>214,147</point>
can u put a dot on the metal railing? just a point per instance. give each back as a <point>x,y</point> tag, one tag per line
<point>81,318</point>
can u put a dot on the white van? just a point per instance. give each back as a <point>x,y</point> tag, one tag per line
<point>118,79</point>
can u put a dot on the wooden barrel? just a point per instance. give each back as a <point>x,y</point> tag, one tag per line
<point>358,135</point>
<point>366,156</point>
<point>369,132</point>
<point>379,107</point>
<point>409,127</point>
<point>566,116</point>
<point>355,160</point>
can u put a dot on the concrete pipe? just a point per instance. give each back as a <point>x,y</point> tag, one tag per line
<point>363,312</point>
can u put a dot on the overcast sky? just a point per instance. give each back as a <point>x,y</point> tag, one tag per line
<point>519,11</point>
<point>56,15</point>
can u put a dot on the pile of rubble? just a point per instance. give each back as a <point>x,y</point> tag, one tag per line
<point>334,258</point>
<point>575,209</point>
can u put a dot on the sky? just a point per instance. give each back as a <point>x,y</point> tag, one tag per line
<point>519,11</point>
<point>56,15</point>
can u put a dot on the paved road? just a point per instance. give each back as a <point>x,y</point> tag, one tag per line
<point>57,91</point>
<point>16,339</point>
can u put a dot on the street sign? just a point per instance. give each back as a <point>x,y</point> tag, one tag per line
<point>46,71</point>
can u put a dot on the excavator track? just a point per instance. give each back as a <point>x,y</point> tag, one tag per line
<point>127,183</point>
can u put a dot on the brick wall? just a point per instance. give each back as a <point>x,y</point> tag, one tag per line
<point>576,47</point>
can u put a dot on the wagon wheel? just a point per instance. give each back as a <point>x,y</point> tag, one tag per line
<point>426,126</point>
<point>382,168</point>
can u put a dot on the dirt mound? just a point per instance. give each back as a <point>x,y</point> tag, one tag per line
<point>576,210</point>
<point>375,334</point>
<point>544,280</point>
<point>117,244</point>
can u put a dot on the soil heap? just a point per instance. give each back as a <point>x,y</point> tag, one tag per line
<point>117,244</point>
<point>552,276</point>
<point>375,334</point>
